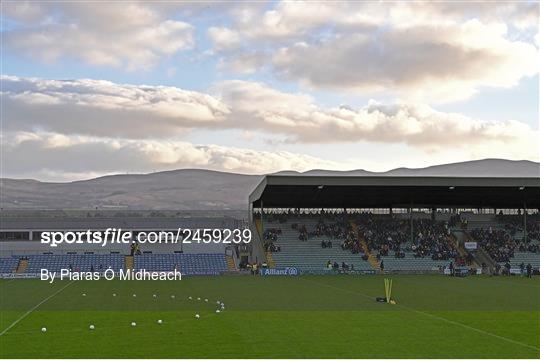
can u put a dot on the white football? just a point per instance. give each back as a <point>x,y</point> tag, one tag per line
<point>133,324</point>
<point>43,329</point>
<point>159,321</point>
<point>217,311</point>
<point>197,316</point>
<point>91,327</point>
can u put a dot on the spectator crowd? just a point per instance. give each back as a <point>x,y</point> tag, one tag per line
<point>388,235</point>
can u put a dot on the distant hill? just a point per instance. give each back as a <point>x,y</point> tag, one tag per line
<point>192,189</point>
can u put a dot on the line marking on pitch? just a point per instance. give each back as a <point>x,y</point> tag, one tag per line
<point>465,326</point>
<point>515,283</point>
<point>470,327</point>
<point>35,307</point>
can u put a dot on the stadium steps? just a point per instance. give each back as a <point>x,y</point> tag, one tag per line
<point>481,256</point>
<point>460,246</point>
<point>262,254</point>
<point>259,227</point>
<point>230,263</point>
<point>128,262</point>
<point>257,248</point>
<point>270,260</point>
<point>372,259</point>
<point>22,266</point>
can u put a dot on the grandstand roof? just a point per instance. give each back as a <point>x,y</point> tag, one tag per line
<point>395,191</point>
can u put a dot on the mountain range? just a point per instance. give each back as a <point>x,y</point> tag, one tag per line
<point>195,189</point>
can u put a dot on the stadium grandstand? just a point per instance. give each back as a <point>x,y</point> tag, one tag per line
<point>398,224</point>
<point>318,225</point>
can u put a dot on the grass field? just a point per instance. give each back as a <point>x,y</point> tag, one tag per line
<point>273,317</point>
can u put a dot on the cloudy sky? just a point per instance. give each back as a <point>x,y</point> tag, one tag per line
<point>91,88</point>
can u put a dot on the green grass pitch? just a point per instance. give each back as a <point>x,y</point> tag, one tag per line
<point>273,317</point>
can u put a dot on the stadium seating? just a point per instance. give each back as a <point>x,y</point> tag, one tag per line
<point>525,258</point>
<point>410,263</point>
<point>503,238</point>
<point>8,265</point>
<point>78,262</point>
<point>187,264</point>
<point>309,255</point>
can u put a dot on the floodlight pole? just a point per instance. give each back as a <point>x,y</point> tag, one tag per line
<point>411,224</point>
<point>262,221</point>
<point>524,221</point>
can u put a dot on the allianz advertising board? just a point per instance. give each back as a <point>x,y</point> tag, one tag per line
<point>288,271</point>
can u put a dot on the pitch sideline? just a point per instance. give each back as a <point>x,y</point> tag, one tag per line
<point>34,308</point>
<point>465,326</point>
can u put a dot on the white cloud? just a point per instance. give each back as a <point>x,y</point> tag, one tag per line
<point>295,19</point>
<point>417,64</point>
<point>523,15</point>
<point>224,38</point>
<point>256,106</point>
<point>429,52</point>
<point>129,35</point>
<point>243,63</point>
<point>105,109</point>
<point>419,51</point>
